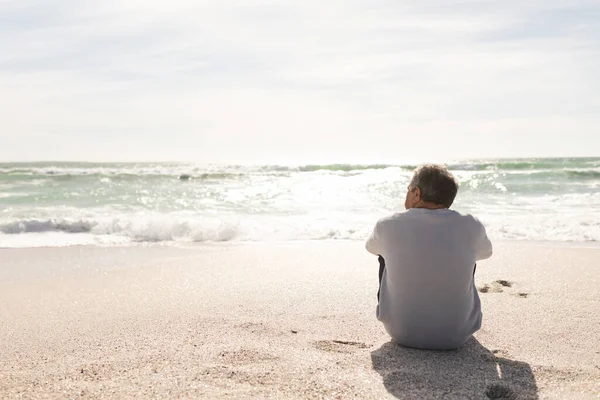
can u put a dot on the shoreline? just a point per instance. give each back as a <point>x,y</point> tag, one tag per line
<point>184,244</point>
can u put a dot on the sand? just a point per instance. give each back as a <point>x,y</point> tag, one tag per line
<point>284,320</point>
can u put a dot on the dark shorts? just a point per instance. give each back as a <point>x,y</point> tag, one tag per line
<point>381,269</point>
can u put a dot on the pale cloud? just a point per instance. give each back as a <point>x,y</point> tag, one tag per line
<point>265,81</point>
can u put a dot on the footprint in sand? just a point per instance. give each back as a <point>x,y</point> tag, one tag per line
<point>261,328</point>
<point>244,356</point>
<point>498,286</point>
<point>227,372</point>
<point>495,287</point>
<point>339,346</point>
<point>253,327</point>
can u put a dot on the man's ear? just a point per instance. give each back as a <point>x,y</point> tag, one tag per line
<point>417,194</point>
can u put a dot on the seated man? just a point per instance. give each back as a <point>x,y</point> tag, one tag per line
<point>427,258</point>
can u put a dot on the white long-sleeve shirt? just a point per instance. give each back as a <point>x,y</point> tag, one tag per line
<point>428,295</point>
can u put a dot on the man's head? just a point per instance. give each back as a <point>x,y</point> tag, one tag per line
<point>432,186</point>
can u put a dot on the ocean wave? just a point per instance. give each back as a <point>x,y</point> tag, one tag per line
<point>138,229</point>
<point>526,164</point>
<point>224,173</point>
<point>179,228</point>
<point>589,174</point>
<point>67,175</point>
<point>122,229</point>
<point>483,165</point>
<point>215,172</point>
<point>51,225</point>
<point>573,175</point>
<point>347,167</point>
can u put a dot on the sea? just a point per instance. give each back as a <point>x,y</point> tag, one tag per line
<point>50,204</point>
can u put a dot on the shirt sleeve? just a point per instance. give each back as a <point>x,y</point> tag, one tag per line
<point>373,244</point>
<point>484,249</point>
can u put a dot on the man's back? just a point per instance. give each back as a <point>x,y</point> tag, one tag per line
<point>428,296</point>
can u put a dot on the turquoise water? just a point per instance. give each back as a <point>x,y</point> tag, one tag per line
<point>51,204</point>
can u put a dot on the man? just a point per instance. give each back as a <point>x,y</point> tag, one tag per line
<point>427,254</point>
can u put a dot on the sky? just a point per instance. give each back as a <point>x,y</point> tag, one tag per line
<point>258,81</point>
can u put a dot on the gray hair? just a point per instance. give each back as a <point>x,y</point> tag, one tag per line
<point>437,184</point>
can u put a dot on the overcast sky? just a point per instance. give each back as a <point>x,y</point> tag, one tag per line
<point>300,80</point>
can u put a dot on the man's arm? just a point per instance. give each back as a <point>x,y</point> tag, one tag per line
<point>484,249</point>
<point>373,244</point>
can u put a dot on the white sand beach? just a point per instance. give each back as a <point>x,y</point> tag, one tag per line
<point>284,320</point>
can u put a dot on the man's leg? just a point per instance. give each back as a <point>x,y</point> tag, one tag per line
<point>381,269</point>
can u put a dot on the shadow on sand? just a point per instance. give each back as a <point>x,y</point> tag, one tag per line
<point>472,372</point>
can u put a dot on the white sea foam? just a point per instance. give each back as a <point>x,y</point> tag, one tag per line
<point>157,228</point>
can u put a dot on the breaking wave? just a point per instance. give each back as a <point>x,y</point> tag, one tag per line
<point>157,229</point>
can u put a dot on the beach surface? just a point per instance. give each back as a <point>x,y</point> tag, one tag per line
<point>284,320</point>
